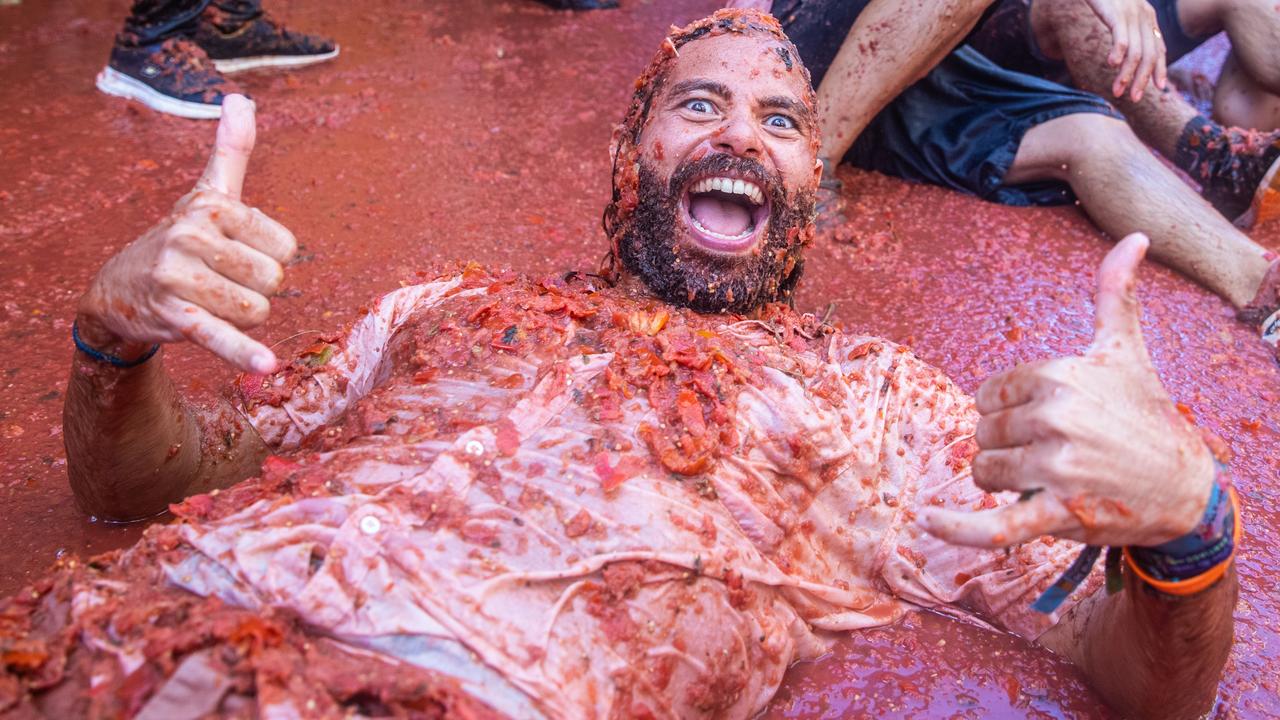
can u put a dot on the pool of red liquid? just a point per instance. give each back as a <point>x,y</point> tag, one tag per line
<point>479,131</point>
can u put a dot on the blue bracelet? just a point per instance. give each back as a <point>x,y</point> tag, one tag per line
<point>104,357</point>
<point>1209,544</point>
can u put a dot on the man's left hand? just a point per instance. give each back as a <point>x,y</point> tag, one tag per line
<point>1109,458</point>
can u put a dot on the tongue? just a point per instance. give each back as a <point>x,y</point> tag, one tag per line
<point>720,216</point>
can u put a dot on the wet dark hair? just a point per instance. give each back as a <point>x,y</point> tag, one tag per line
<point>626,135</point>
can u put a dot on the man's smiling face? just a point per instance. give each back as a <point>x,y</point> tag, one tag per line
<point>726,176</point>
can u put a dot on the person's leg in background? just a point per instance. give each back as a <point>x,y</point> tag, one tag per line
<point>152,21</point>
<point>1019,139</point>
<point>1248,92</point>
<point>1124,188</point>
<point>1235,167</point>
<point>862,54</point>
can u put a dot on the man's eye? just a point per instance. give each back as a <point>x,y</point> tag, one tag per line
<point>698,106</point>
<point>780,121</point>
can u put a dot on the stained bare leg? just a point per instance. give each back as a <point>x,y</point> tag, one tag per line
<point>1125,189</point>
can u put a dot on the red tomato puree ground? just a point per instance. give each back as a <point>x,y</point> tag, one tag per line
<point>452,131</point>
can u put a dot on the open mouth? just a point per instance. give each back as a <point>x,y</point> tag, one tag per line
<point>725,214</point>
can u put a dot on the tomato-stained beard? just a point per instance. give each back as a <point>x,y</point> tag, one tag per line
<point>653,246</point>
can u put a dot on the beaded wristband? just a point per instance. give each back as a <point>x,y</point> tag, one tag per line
<point>100,356</point>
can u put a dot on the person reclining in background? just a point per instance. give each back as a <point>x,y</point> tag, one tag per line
<point>913,95</point>
<point>642,494</point>
<point>171,54</point>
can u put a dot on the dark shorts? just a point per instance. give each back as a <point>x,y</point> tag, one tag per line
<point>960,126</point>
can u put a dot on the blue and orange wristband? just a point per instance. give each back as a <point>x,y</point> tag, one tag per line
<point>1181,567</point>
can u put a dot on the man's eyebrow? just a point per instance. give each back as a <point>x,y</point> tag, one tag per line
<point>782,102</point>
<point>711,86</point>
<point>798,109</point>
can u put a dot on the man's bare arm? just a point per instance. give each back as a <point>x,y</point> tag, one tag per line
<point>886,51</point>
<point>1148,654</point>
<point>202,274</point>
<point>1103,456</point>
<point>134,445</point>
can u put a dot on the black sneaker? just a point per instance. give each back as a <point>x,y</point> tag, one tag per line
<point>256,42</point>
<point>1237,169</point>
<point>581,4</point>
<point>174,76</point>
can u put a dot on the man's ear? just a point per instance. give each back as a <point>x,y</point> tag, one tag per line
<point>817,171</point>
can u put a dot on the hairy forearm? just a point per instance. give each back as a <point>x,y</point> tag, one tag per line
<point>887,50</point>
<point>1152,655</point>
<point>134,445</point>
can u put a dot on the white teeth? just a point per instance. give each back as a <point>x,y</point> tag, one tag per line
<point>730,186</point>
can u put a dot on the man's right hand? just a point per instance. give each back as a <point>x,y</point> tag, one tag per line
<point>1137,47</point>
<point>202,274</point>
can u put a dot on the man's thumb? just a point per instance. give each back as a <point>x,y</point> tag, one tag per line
<point>1118,316</point>
<point>230,159</point>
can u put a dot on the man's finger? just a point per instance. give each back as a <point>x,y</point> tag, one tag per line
<point>230,158</point>
<point>1005,469</point>
<point>1119,43</point>
<point>1162,64</point>
<point>227,300</point>
<point>224,340</point>
<point>1009,388</point>
<point>243,265</point>
<point>1118,316</point>
<point>1011,427</point>
<point>1103,11</point>
<point>1131,59</point>
<point>1146,66</point>
<point>255,229</point>
<point>1012,524</point>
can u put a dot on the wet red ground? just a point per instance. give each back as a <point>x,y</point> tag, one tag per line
<point>453,131</point>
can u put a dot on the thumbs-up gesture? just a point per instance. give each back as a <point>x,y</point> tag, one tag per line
<point>1094,443</point>
<point>204,273</point>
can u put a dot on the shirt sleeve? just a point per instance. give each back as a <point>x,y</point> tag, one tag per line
<point>317,387</point>
<point>925,451</point>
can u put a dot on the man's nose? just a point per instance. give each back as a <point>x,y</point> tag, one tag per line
<point>740,137</point>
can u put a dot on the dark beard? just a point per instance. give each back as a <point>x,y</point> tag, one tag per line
<point>684,275</point>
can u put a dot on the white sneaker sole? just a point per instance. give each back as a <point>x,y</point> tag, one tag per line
<point>117,83</point>
<point>234,65</point>
<point>1250,216</point>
